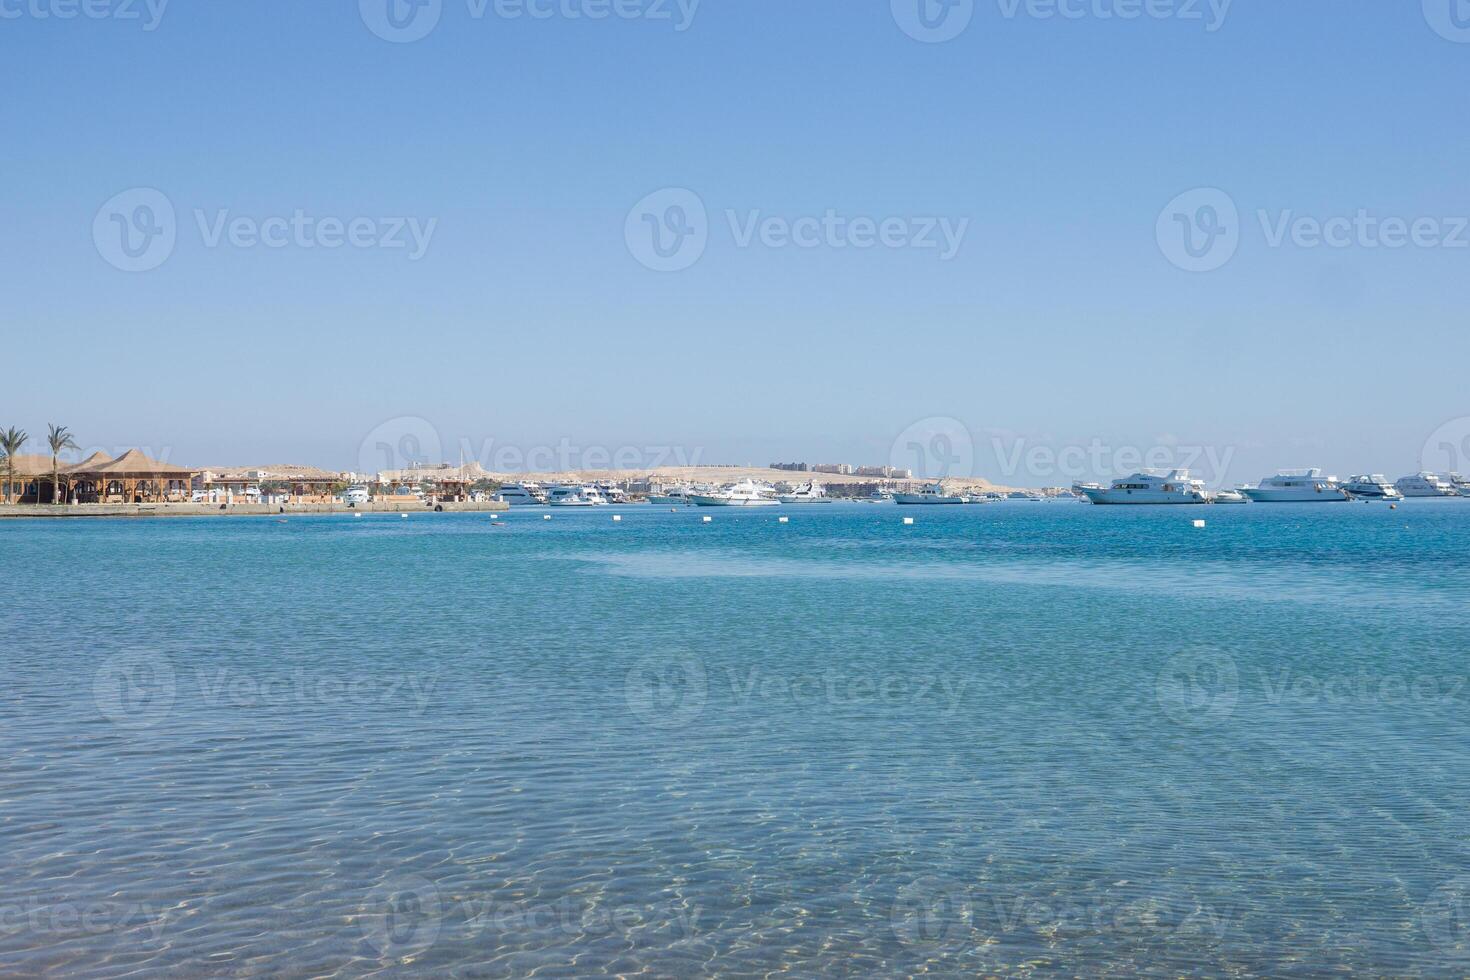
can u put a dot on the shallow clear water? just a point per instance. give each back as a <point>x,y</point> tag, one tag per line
<point>1023,738</point>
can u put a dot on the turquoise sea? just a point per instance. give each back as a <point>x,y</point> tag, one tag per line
<point>1023,739</point>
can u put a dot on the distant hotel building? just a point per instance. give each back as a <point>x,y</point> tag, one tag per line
<point>845,469</point>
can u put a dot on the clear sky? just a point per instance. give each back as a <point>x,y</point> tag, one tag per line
<point>534,310</point>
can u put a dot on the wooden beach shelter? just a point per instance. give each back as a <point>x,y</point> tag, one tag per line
<point>79,488</point>
<point>32,477</point>
<point>134,478</point>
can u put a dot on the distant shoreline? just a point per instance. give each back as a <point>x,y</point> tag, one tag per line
<point>85,511</point>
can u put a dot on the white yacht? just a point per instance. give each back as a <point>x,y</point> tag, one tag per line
<point>1297,487</point>
<point>746,493</point>
<point>1374,486</point>
<point>520,495</point>
<point>1175,487</point>
<point>931,494</point>
<point>1460,484</point>
<point>611,494</point>
<point>1425,485</point>
<point>1227,496</point>
<point>353,496</point>
<point>807,493</point>
<point>573,497</point>
<point>676,496</point>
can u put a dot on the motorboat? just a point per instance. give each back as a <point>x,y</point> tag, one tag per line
<point>807,493</point>
<point>1373,486</point>
<point>353,496</point>
<point>1425,485</point>
<point>1297,487</point>
<point>677,496</point>
<point>1174,487</point>
<point>746,493</point>
<point>573,496</point>
<point>1460,483</point>
<point>520,495</point>
<point>1228,496</point>
<point>931,494</point>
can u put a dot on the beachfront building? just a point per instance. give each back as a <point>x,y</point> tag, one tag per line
<point>131,478</point>
<point>443,482</point>
<point>306,483</point>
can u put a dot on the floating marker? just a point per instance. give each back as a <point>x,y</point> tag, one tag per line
<point>546,517</point>
<point>617,517</point>
<point>404,516</point>
<point>356,515</point>
<point>784,520</point>
<point>708,519</point>
<point>1393,506</point>
<point>1199,523</point>
<point>908,520</point>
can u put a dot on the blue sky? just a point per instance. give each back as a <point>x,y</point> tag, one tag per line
<point>519,145</point>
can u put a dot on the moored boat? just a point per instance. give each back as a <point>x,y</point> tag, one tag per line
<point>931,494</point>
<point>1297,487</point>
<point>746,493</point>
<point>1174,487</point>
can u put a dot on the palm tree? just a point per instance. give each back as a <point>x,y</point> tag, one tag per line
<point>60,440</point>
<point>10,441</point>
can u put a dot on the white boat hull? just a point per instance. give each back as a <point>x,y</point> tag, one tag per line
<point>702,501</point>
<point>925,498</point>
<point>1107,495</point>
<point>1326,495</point>
<point>805,500</point>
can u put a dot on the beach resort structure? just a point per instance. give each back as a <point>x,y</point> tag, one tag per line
<point>130,478</point>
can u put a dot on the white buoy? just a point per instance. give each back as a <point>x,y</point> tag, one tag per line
<point>908,520</point>
<point>617,517</point>
<point>708,519</point>
<point>784,520</point>
<point>404,516</point>
<point>546,517</point>
<point>356,515</point>
<point>1199,523</point>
